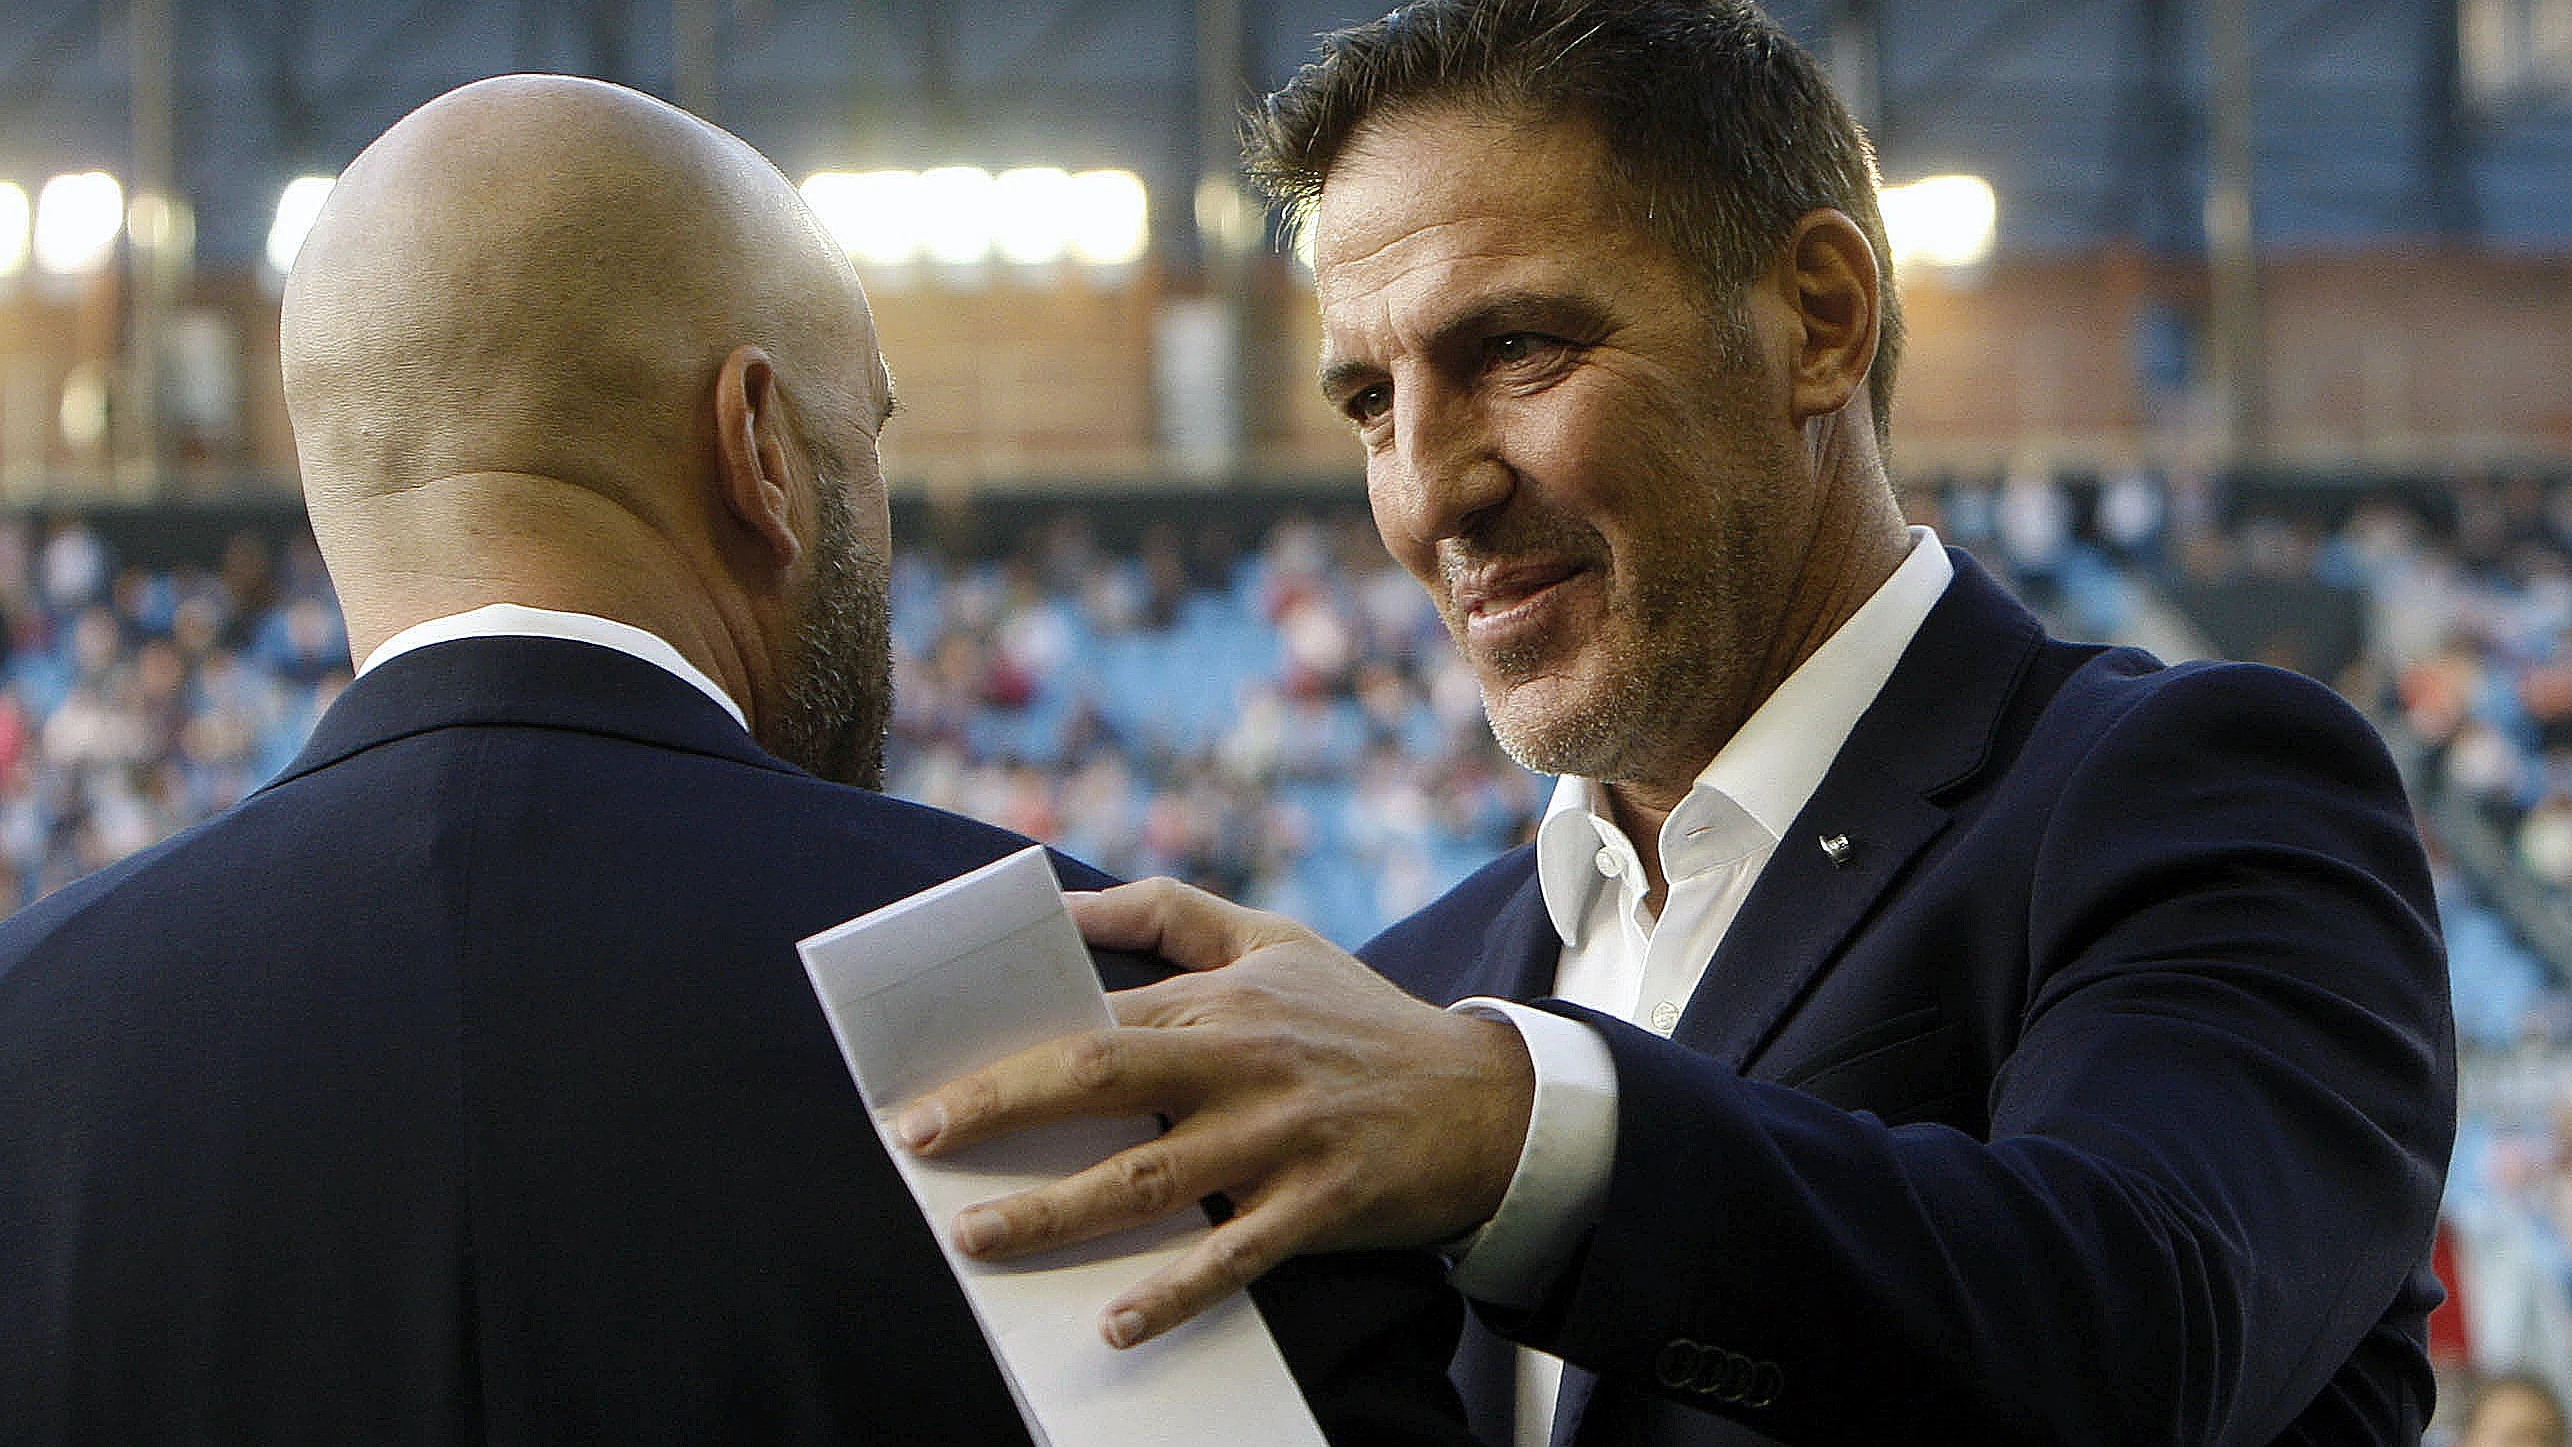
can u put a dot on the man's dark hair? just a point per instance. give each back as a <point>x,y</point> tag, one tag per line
<point>1723,131</point>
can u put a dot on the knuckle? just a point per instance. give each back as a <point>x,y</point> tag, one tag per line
<point>1150,1184</point>
<point>1093,1062</point>
<point>1262,1050</point>
<point>1036,1218</point>
<point>1234,1258</point>
<point>972,1099</point>
<point>1341,1195</point>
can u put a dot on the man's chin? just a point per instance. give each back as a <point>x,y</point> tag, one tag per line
<point>1552,726</point>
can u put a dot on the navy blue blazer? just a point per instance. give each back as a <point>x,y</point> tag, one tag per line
<point>2101,1092</point>
<point>462,1086</point>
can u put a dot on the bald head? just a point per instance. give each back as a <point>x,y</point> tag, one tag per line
<point>540,274</point>
<point>554,342</point>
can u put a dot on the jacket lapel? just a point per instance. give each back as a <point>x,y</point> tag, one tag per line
<point>1519,947</point>
<point>528,682</point>
<point>1930,729</point>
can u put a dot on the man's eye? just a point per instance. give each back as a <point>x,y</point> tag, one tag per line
<point>1516,347</point>
<point>1370,403</point>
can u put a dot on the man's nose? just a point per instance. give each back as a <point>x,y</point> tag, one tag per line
<point>1448,451</point>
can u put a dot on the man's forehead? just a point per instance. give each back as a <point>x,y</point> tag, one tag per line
<point>1405,176</point>
<point>1491,220</point>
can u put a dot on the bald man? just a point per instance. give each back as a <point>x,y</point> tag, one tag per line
<point>462,1084</point>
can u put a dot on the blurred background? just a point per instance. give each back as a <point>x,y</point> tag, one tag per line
<point>2239,327</point>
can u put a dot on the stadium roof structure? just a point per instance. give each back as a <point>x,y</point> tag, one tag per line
<point>2376,122</point>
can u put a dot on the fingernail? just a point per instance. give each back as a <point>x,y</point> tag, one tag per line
<point>1125,1328</point>
<point>920,1124</point>
<point>977,1231</point>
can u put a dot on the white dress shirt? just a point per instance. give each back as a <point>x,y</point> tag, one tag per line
<point>1620,960</point>
<point>516,620</point>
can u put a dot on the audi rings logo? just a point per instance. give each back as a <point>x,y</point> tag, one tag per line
<point>1711,1371</point>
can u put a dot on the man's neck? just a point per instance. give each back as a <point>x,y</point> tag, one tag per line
<point>1830,594</point>
<point>1640,811</point>
<point>404,573</point>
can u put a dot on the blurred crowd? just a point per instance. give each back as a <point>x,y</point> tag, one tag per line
<point>1280,718</point>
<point>1283,723</point>
<point>134,702</point>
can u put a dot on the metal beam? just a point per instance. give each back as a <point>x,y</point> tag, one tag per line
<point>2153,140</point>
<point>151,75</point>
<point>292,107</point>
<point>694,56</point>
<point>2447,202</point>
<point>942,82</point>
<point>2232,246</point>
<point>607,31</point>
<point>1857,62</point>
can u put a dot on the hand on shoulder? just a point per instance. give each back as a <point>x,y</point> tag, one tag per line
<point>1335,1111</point>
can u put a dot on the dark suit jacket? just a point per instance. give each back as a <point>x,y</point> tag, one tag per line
<point>2102,1094</point>
<point>462,1085</point>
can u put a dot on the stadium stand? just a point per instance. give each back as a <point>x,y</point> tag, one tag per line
<point>1283,721</point>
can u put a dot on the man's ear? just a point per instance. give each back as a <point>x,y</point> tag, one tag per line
<point>751,454</point>
<point>1837,293</point>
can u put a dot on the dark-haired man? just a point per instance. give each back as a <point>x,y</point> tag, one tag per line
<point>1948,1034</point>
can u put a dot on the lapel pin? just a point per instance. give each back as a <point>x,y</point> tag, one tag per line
<point>1835,847</point>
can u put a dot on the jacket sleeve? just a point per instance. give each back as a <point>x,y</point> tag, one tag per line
<point>2215,1152</point>
<point>1367,1335</point>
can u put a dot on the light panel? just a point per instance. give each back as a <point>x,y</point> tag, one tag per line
<point>77,221</point>
<point>1944,221</point>
<point>1031,214</point>
<point>298,206</point>
<point>1111,217</point>
<point>964,216</point>
<point>957,215</point>
<point>873,215</point>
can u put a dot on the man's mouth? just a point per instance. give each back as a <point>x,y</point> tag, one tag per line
<point>1503,604</point>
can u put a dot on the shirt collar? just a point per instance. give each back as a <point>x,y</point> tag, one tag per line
<point>1769,769</point>
<point>516,620</point>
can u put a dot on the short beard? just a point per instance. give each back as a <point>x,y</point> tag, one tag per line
<point>839,684</point>
<point>1696,628</point>
<point>1651,700</point>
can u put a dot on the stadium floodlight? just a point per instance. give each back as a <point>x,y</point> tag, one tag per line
<point>15,217</point>
<point>1031,214</point>
<point>963,215</point>
<point>956,214</point>
<point>1110,217</point>
<point>873,215</point>
<point>77,221</point>
<point>298,206</point>
<point>1944,221</point>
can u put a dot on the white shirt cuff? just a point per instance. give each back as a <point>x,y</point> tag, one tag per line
<point>1562,1175</point>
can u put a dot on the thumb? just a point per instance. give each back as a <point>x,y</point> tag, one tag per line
<point>1182,924</point>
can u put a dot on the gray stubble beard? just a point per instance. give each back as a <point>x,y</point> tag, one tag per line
<point>839,691</point>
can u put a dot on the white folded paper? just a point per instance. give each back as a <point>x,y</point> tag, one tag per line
<point>952,979</point>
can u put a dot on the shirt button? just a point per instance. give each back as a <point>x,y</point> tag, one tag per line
<point>1608,863</point>
<point>1665,1017</point>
